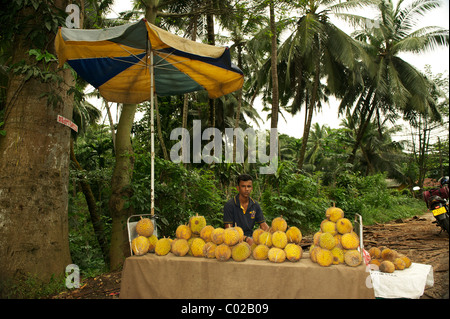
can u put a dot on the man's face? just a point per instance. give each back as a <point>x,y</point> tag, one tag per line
<point>245,188</point>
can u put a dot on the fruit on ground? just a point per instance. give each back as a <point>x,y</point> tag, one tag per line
<point>217,236</point>
<point>350,241</point>
<point>241,251</point>
<point>344,225</point>
<point>256,233</point>
<point>222,252</point>
<point>387,266</point>
<point>279,224</point>
<point>294,235</point>
<point>388,254</point>
<point>140,245</point>
<point>205,233</point>
<point>334,213</point>
<point>196,223</point>
<point>324,257</point>
<point>375,252</point>
<point>276,255</point>
<point>328,227</point>
<point>180,247</point>
<point>327,241</point>
<point>260,252</point>
<point>144,227</point>
<point>152,241</point>
<point>265,238</point>
<point>399,263</point>
<point>338,255</point>
<point>352,258</point>
<point>209,250</point>
<point>293,252</point>
<point>230,236</point>
<point>197,247</point>
<point>163,246</point>
<point>183,232</point>
<point>279,239</point>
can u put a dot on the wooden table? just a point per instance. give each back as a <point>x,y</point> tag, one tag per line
<point>172,277</point>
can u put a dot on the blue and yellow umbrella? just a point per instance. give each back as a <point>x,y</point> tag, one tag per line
<point>129,63</point>
<point>117,61</point>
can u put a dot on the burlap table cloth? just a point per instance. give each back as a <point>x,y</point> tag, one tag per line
<point>172,277</point>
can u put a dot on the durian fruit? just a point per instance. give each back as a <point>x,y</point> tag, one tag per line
<point>197,247</point>
<point>387,266</point>
<point>222,252</point>
<point>328,227</point>
<point>144,227</point>
<point>293,252</point>
<point>183,232</point>
<point>180,247</point>
<point>241,233</point>
<point>327,241</point>
<point>350,241</point>
<point>140,245</point>
<point>279,239</point>
<point>209,250</point>
<point>260,252</point>
<point>352,258</point>
<point>294,235</point>
<point>265,238</point>
<point>276,255</point>
<point>152,241</point>
<point>334,213</point>
<point>205,233</point>
<point>338,255</point>
<point>316,238</point>
<point>337,239</point>
<point>217,236</point>
<point>406,260</point>
<point>279,224</point>
<point>344,225</point>
<point>190,240</point>
<point>230,236</point>
<point>196,223</point>
<point>375,261</point>
<point>324,257</point>
<point>241,251</point>
<point>256,233</point>
<point>399,263</point>
<point>313,252</point>
<point>375,252</point>
<point>163,246</point>
<point>389,254</point>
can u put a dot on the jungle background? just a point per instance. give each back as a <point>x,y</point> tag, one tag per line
<point>79,188</point>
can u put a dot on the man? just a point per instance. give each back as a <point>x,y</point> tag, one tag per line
<point>244,211</point>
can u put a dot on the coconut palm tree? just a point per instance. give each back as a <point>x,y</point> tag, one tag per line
<point>390,83</point>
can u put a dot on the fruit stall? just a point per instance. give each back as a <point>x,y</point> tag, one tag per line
<point>215,263</point>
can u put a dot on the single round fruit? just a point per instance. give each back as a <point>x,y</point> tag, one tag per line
<point>144,227</point>
<point>140,245</point>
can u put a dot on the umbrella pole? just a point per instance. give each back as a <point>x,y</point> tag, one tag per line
<point>152,138</point>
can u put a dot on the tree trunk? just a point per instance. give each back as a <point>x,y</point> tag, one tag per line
<point>273,62</point>
<point>92,207</point>
<point>121,190</point>
<point>34,172</point>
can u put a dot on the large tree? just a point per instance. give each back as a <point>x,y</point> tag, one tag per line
<point>34,152</point>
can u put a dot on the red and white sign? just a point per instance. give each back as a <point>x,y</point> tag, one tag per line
<point>67,122</point>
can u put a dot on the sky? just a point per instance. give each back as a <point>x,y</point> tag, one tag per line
<point>294,125</point>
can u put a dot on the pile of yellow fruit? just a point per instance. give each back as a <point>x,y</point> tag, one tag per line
<point>198,239</point>
<point>388,260</point>
<point>336,242</point>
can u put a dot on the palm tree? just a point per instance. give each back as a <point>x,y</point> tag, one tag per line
<point>390,83</point>
<point>315,51</point>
